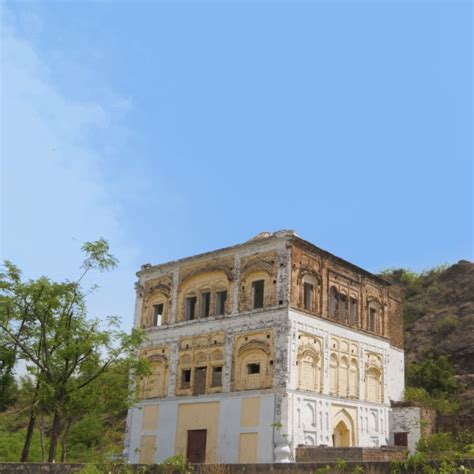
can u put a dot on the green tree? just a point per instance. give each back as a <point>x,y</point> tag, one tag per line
<point>436,376</point>
<point>46,323</point>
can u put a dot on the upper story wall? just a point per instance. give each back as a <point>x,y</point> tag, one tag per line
<point>253,276</point>
<point>326,286</point>
<point>269,272</point>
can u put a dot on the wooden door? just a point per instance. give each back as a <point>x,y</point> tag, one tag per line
<point>401,439</point>
<point>196,450</point>
<point>200,381</point>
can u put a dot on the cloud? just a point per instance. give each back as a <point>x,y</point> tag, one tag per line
<point>54,182</point>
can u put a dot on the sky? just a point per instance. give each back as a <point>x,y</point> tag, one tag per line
<point>174,128</point>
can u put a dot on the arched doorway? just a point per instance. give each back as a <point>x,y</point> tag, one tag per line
<point>342,435</point>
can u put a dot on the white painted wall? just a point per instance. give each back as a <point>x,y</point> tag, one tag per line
<point>312,424</point>
<point>406,419</point>
<point>396,374</point>
<point>393,358</point>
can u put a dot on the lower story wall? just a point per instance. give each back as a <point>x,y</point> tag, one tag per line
<point>317,420</point>
<point>222,428</point>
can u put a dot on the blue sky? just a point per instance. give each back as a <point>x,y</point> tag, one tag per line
<point>173,128</point>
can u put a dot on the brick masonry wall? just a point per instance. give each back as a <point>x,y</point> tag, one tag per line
<point>381,467</point>
<point>326,454</point>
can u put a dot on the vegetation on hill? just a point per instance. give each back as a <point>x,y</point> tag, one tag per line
<point>438,308</point>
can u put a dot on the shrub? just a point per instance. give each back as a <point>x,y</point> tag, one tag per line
<point>446,325</point>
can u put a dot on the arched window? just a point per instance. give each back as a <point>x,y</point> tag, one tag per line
<point>372,316</point>
<point>333,306</point>
<point>190,303</point>
<point>253,367</point>
<point>155,383</point>
<point>342,307</point>
<point>353,310</point>
<point>309,371</point>
<point>343,377</point>
<point>374,385</point>
<point>354,379</point>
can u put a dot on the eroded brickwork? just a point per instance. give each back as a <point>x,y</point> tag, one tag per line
<point>328,287</point>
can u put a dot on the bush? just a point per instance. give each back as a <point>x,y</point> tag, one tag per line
<point>446,325</point>
<point>436,376</point>
<point>436,443</point>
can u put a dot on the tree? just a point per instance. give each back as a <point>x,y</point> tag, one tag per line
<point>46,323</point>
<point>435,376</point>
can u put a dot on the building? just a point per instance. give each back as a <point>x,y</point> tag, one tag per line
<point>260,347</point>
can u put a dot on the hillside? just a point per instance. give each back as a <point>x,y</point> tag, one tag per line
<point>439,319</point>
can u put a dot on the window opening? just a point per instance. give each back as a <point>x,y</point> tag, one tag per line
<point>258,289</point>
<point>253,368</point>
<point>217,376</point>
<point>190,312</point>
<point>221,298</point>
<point>308,296</point>
<point>186,378</point>
<point>157,314</point>
<point>205,304</point>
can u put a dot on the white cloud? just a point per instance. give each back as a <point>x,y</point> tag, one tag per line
<point>54,192</point>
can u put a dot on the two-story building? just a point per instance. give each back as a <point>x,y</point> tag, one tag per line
<point>262,346</point>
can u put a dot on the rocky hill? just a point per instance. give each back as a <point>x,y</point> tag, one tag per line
<point>439,319</point>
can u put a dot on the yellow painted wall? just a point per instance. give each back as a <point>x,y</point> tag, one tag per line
<point>250,412</point>
<point>147,450</point>
<point>198,416</point>
<point>150,417</point>
<point>248,447</point>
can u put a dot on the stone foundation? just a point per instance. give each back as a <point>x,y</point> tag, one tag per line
<point>326,454</point>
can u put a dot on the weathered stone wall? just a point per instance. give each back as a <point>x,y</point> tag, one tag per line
<point>326,454</point>
<point>343,293</point>
<point>374,467</point>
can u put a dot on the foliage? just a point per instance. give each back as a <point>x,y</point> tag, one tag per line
<point>421,397</point>
<point>433,375</point>
<point>67,354</point>
<point>341,464</point>
<point>177,464</point>
<point>446,325</point>
<point>461,443</point>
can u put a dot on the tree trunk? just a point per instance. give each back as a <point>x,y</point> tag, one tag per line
<point>29,436</point>
<point>64,440</point>
<point>53,440</point>
<point>42,443</point>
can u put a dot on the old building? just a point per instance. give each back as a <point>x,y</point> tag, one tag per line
<point>257,348</point>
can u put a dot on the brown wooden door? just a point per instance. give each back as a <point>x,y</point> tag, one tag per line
<point>200,381</point>
<point>196,451</point>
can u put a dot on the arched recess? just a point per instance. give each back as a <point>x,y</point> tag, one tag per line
<point>333,302</point>
<point>374,388</point>
<point>253,369</point>
<point>374,316</point>
<point>248,281</point>
<point>309,283</point>
<point>204,286</point>
<point>343,430</point>
<point>343,377</point>
<point>333,375</point>
<point>309,369</point>
<point>354,379</point>
<point>155,384</point>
